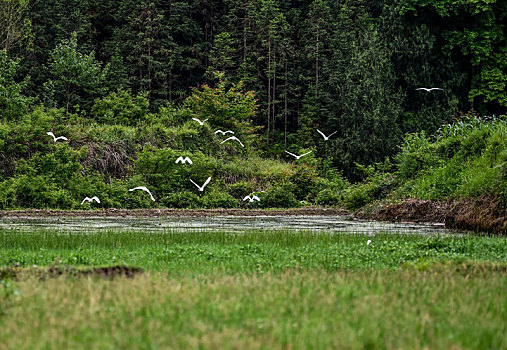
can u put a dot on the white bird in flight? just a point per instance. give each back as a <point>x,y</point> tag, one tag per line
<point>233,138</point>
<point>296,156</point>
<point>324,136</point>
<point>200,122</point>
<point>184,160</point>
<point>251,199</point>
<point>57,138</point>
<point>429,89</point>
<point>201,188</point>
<point>142,188</point>
<point>224,132</point>
<point>94,198</point>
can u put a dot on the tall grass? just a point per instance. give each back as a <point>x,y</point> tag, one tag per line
<point>203,252</point>
<point>408,309</point>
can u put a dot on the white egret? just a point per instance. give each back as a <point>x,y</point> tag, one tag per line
<point>429,89</point>
<point>251,199</point>
<point>142,188</point>
<point>88,199</point>
<point>57,138</point>
<point>324,136</point>
<point>184,160</point>
<point>233,138</point>
<point>368,242</point>
<point>296,156</point>
<point>200,122</point>
<point>201,188</point>
<point>224,132</point>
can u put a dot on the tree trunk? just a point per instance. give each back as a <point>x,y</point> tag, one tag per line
<point>285,105</point>
<point>269,88</point>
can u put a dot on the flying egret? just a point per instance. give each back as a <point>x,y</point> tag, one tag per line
<point>57,138</point>
<point>251,199</point>
<point>429,89</point>
<point>184,160</point>
<point>94,198</point>
<point>324,136</point>
<point>142,188</point>
<point>224,132</point>
<point>233,138</point>
<point>296,156</point>
<point>201,188</point>
<point>200,122</point>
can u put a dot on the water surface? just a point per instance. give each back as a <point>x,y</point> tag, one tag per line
<point>229,223</point>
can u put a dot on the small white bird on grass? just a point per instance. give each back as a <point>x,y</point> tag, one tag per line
<point>251,199</point>
<point>201,188</point>
<point>429,89</point>
<point>368,242</point>
<point>324,136</point>
<point>296,156</point>
<point>200,122</point>
<point>57,138</point>
<point>184,160</point>
<point>224,132</point>
<point>233,138</point>
<point>142,188</point>
<point>88,199</point>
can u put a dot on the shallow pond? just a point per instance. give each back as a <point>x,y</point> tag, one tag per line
<point>230,223</point>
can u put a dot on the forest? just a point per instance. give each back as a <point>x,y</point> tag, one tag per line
<point>122,81</point>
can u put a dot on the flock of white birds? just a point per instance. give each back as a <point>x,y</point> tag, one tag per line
<point>251,198</point>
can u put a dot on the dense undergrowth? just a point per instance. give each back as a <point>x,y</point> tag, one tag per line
<point>466,159</point>
<point>121,145</point>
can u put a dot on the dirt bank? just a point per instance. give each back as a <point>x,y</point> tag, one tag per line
<point>170,212</point>
<point>485,214</point>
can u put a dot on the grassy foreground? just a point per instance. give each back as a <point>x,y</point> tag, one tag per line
<point>256,290</point>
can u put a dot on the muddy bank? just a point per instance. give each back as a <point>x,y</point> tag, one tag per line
<point>171,212</point>
<point>107,272</point>
<point>485,214</point>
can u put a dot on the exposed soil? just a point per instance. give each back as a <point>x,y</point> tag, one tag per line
<point>485,214</point>
<point>170,212</point>
<point>108,272</point>
<point>411,210</point>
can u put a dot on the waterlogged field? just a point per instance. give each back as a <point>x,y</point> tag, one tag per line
<point>255,289</point>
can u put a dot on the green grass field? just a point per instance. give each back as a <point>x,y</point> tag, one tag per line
<point>256,289</point>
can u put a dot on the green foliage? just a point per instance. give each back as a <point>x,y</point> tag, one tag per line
<point>74,75</point>
<point>121,108</point>
<point>12,101</point>
<point>466,159</point>
<point>240,189</point>
<point>182,200</point>
<point>217,199</point>
<point>281,196</point>
<point>226,106</point>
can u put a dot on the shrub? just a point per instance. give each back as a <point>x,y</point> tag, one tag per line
<point>329,197</point>
<point>281,196</point>
<point>303,179</point>
<point>216,199</point>
<point>240,189</point>
<point>182,200</point>
<point>121,108</point>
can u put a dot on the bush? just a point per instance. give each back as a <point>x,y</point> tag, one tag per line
<point>240,189</point>
<point>281,196</point>
<point>182,200</point>
<point>121,108</point>
<point>329,197</point>
<point>216,199</point>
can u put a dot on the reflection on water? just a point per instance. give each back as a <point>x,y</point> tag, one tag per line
<point>229,223</point>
